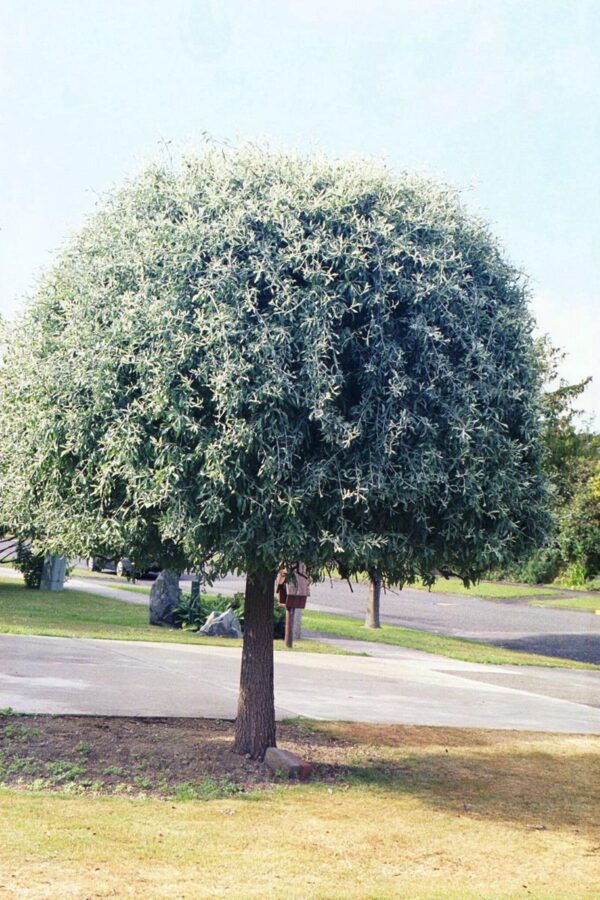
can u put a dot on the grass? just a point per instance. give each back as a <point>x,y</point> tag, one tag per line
<point>84,615</point>
<point>110,580</point>
<point>536,595</point>
<point>134,588</point>
<point>110,577</point>
<point>453,647</point>
<point>489,590</point>
<point>590,604</point>
<point>430,814</point>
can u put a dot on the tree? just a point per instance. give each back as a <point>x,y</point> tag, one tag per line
<point>571,457</point>
<point>254,358</point>
<point>372,616</point>
<point>580,532</point>
<point>569,449</point>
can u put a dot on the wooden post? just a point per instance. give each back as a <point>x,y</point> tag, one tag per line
<point>289,626</point>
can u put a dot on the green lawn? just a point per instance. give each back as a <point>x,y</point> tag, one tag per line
<point>80,614</point>
<point>534,595</point>
<point>134,588</point>
<point>109,577</point>
<point>590,603</point>
<point>455,648</point>
<point>112,581</point>
<point>489,590</point>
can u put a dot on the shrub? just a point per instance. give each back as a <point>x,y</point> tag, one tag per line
<point>574,576</point>
<point>580,532</point>
<point>541,567</point>
<point>191,614</point>
<point>30,565</point>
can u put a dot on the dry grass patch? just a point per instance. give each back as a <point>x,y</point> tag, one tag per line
<point>532,779</point>
<point>394,811</point>
<point>299,844</point>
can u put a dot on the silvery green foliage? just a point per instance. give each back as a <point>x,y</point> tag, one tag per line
<point>255,357</point>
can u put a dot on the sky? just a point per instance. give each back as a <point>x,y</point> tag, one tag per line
<point>499,97</point>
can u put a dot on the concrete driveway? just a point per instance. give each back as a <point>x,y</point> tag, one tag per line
<point>70,676</point>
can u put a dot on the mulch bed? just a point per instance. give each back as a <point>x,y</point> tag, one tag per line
<point>154,756</point>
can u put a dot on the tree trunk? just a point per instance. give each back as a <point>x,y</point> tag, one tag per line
<point>255,723</point>
<point>372,616</point>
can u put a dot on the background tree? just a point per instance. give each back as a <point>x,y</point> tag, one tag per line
<point>579,536</point>
<point>570,449</point>
<point>571,460</point>
<point>255,358</point>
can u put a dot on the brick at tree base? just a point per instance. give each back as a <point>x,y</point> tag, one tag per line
<point>288,763</point>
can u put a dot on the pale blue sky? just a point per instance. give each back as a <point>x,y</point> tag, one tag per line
<point>501,97</point>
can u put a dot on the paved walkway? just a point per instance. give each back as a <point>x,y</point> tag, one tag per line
<point>68,676</point>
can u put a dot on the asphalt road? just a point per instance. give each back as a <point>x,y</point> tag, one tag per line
<point>569,634</point>
<point>67,676</point>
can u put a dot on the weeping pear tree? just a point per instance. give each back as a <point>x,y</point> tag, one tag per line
<point>249,358</point>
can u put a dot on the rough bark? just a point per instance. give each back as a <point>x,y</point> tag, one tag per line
<point>372,616</point>
<point>255,723</point>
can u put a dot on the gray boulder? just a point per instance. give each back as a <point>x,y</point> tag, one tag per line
<point>53,573</point>
<point>224,624</point>
<point>164,599</point>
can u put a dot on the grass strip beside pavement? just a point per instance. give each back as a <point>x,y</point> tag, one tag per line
<point>85,615</point>
<point>430,814</point>
<point>442,645</point>
<point>111,581</point>
<point>488,590</point>
<point>589,603</point>
<point>134,588</point>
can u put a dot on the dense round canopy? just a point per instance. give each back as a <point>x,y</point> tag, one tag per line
<point>254,357</point>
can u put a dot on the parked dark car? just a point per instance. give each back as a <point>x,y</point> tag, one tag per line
<point>123,567</point>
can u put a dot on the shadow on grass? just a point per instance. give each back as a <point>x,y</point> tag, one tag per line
<point>578,647</point>
<point>535,789</point>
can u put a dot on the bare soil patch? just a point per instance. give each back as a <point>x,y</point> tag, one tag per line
<point>529,777</point>
<point>191,758</point>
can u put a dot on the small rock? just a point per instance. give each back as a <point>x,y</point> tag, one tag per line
<point>224,624</point>
<point>287,762</point>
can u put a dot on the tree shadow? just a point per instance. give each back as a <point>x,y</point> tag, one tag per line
<point>578,647</point>
<point>533,788</point>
